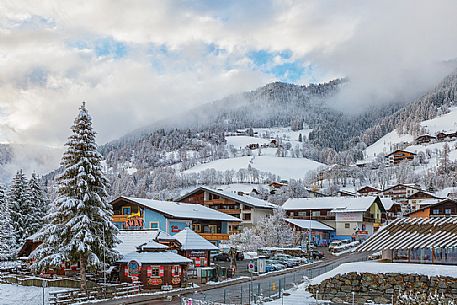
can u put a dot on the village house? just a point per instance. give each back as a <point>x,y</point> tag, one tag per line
<point>443,136</point>
<point>153,266</point>
<point>352,217</point>
<point>248,209</point>
<point>398,156</point>
<point>320,233</point>
<point>400,192</point>
<point>369,191</point>
<point>195,247</point>
<point>171,217</point>
<point>344,193</point>
<point>420,199</point>
<point>412,240</point>
<point>444,208</point>
<point>426,138</point>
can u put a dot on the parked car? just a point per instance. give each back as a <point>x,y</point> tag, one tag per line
<point>221,257</point>
<point>316,254</point>
<point>275,264</point>
<point>287,260</point>
<point>334,244</point>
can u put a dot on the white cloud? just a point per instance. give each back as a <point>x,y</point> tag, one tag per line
<point>386,48</point>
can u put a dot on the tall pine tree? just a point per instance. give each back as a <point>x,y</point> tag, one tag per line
<point>21,210</point>
<point>80,229</point>
<point>39,204</point>
<point>7,238</point>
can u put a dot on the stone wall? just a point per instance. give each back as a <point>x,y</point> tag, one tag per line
<point>383,288</point>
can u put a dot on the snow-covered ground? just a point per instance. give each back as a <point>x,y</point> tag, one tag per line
<point>446,122</point>
<point>27,295</point>
<point>386,144</point>
<point>285,167</point>
<point>240,142</point>
<point>284,133</point>
<point>375,267</point>
<point>295,296</point>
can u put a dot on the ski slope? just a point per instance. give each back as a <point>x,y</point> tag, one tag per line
<point>286,168</point>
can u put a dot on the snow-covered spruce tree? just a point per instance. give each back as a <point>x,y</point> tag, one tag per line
<point>21,211</point>
<point>7,238</point>
<point>80,229</point>
<point>39,204</point>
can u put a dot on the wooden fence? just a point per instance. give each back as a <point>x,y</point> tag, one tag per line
<point>99,293</point>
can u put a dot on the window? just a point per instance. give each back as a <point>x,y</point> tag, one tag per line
<point>154,225</point>
<point>316,213</point>
<point>196,227</point>
<point>347,225</point>
<point>125,210</point>
<point>247,216</point>
<point>155,271</point>
<point>301,213</point>
<point>212,228</point>
<point>246,207</point>
<point>447,211</point>
<point>435,212</point>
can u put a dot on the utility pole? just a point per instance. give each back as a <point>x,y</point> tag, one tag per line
<point>104,258</point>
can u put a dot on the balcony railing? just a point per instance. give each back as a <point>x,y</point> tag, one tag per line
<point>214,236</point>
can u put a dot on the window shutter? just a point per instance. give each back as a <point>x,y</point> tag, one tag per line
<point>161,271</point>
<point>149,271</point>
<point>197,262</point>
<point>126,271</point>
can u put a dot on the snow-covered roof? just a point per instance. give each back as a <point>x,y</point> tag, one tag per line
<point>245,199</point>
<point>183,210</point>
<point>414,233</point>
<point>190,240</point>
<point>305,224</point>
<point>429,202</point>
<point>337,204</point>
<point>162,235</point>
<point>387,203</point>
<point>131,240</point>
<point>153,245</point>
<point>165,257</point>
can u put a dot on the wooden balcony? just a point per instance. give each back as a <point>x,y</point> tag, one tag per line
<point>214,236</point>
<point>230,211</point>
<point>119,218</point>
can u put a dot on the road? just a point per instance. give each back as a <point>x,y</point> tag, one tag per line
<point>239,293</point>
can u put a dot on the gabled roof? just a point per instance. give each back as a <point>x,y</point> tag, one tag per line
<point>190,240</point>
<point>409,233</point>
<point>336,204</point>
<point>306,223</point>
<point>387,203</point>
<point>426,195</point>
<point>370,188</point>
<point>180,210</point>
<point>165,257</point>
<point>408,185</point>
<point>245,199</point>
<point>400,150</point>
<point>131,240</point>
